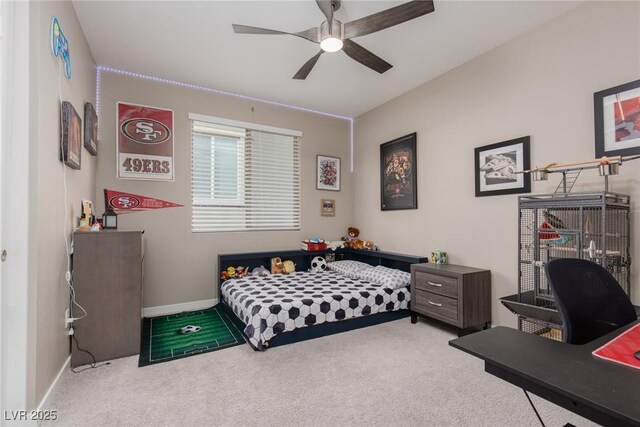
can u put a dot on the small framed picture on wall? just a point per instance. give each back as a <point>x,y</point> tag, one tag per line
<point>327,207</point>
<point>328,173</point>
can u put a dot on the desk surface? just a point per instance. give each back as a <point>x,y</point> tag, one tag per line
<point>569,370</point>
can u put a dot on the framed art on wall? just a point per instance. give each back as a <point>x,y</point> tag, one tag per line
<point>496,166</point>
<point>90,129</point>
<point>71,146</point>
<point>617,120</point>
<point>327,207</point>
<point>398,168</point>
<point>328,173</point>
<point>144,148</point>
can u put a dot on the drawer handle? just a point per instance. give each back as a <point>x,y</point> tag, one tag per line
<point>438,285</point>
<point>434,303</point>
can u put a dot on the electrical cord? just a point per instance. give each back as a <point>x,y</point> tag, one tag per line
<point>91,365</point>
<point>68,276</point>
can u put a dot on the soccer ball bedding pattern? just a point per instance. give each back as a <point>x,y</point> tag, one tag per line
<point>271,305</point>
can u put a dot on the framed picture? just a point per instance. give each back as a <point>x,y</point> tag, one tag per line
<point>496,166</point>
<point>144,149</point>
<point>398,183</point>
<point>328,173</point>
<point>90,129</point>
<point>71,146</point>
<point>617,120</point>
<point>327,207</point>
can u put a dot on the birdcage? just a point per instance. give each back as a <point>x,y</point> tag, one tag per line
<point>593,226</point>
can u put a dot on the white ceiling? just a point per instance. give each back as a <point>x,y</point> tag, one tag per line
<point>193,42</point>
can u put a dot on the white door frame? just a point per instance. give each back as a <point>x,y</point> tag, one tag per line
<point>15,219</point>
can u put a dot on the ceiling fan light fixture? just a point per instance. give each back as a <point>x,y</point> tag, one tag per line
<point>331,44</point>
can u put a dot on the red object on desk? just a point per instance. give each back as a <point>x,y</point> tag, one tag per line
<point>622,349</point>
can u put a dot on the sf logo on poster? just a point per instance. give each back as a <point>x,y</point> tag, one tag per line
<point>145,142</point>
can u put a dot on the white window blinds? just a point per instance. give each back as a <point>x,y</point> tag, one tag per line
<point>243,176</point>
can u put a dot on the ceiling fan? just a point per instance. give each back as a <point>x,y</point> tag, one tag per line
<point>333,35</point>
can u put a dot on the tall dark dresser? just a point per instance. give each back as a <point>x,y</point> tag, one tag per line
<point>107,278</point>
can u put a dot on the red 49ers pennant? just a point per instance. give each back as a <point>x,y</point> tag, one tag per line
<point>122,202</point>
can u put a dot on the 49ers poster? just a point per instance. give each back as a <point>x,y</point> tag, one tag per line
<point>145,142</point>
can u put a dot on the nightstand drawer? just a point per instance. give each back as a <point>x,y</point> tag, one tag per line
<point>434,304</point>
<point>443,285</point>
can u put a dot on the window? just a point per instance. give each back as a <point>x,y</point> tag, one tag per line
<point>244,176</point>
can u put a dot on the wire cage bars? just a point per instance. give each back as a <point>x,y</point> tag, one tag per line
<point>594,226</point>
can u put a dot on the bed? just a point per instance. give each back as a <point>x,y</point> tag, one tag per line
<point>280,309</point>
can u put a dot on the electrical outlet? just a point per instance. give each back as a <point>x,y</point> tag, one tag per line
<point>66,316</point>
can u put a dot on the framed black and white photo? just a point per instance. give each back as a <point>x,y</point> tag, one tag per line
<point>328,173</point>
<point>617,120</point>
<point>90,129</point>
<point>71,143</point>
<point>496,166</point>
<point>398,169</point>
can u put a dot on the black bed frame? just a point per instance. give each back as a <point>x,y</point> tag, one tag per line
<point>302,259</point>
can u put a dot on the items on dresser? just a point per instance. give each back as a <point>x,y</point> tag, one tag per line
<point>107,279</point>
<point>454,294</point>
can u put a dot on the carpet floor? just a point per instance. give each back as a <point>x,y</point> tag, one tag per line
<point>394,374</point>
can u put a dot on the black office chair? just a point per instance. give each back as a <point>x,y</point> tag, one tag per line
<point>590,300</point>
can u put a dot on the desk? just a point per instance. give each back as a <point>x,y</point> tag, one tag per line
<point>567,375</point>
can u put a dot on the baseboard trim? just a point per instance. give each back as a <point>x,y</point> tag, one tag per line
<point>45,399</point>
<point>161,310</point>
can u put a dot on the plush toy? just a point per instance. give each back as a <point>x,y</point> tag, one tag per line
<point>352,235</point>
<point>289,266</point>
<point>368,245</point>
<point>231,272</point>
<point>260,271</point>
<point>335,245</point>
<point>241,271</point>
<point>351,240</point>
<point>277,266</point>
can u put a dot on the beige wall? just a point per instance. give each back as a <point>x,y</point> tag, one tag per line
<point>51,341</point>
<point>540,84</point>
<point>181,266</point>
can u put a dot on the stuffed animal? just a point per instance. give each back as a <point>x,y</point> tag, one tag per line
<point>277,266</point>
<point>241,271</point>
<point>260,271</point>
<point>335,245</point>
<point>289,266</point>
<point>352,235</point>
<point>368,245</point>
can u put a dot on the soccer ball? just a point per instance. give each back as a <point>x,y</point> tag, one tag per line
<point>318,264</point>
<point>190,329</point>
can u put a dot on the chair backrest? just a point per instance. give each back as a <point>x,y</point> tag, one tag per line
<point>590,300</point>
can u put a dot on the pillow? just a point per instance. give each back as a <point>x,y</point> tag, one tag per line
<point>388,277</point>
<point>348,268</point>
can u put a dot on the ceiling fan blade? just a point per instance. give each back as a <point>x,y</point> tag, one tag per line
<point>366,58</point>
<point>388,18</point>
<point>311,34</point>
<point>307,67</point>
<point>327,9</point>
